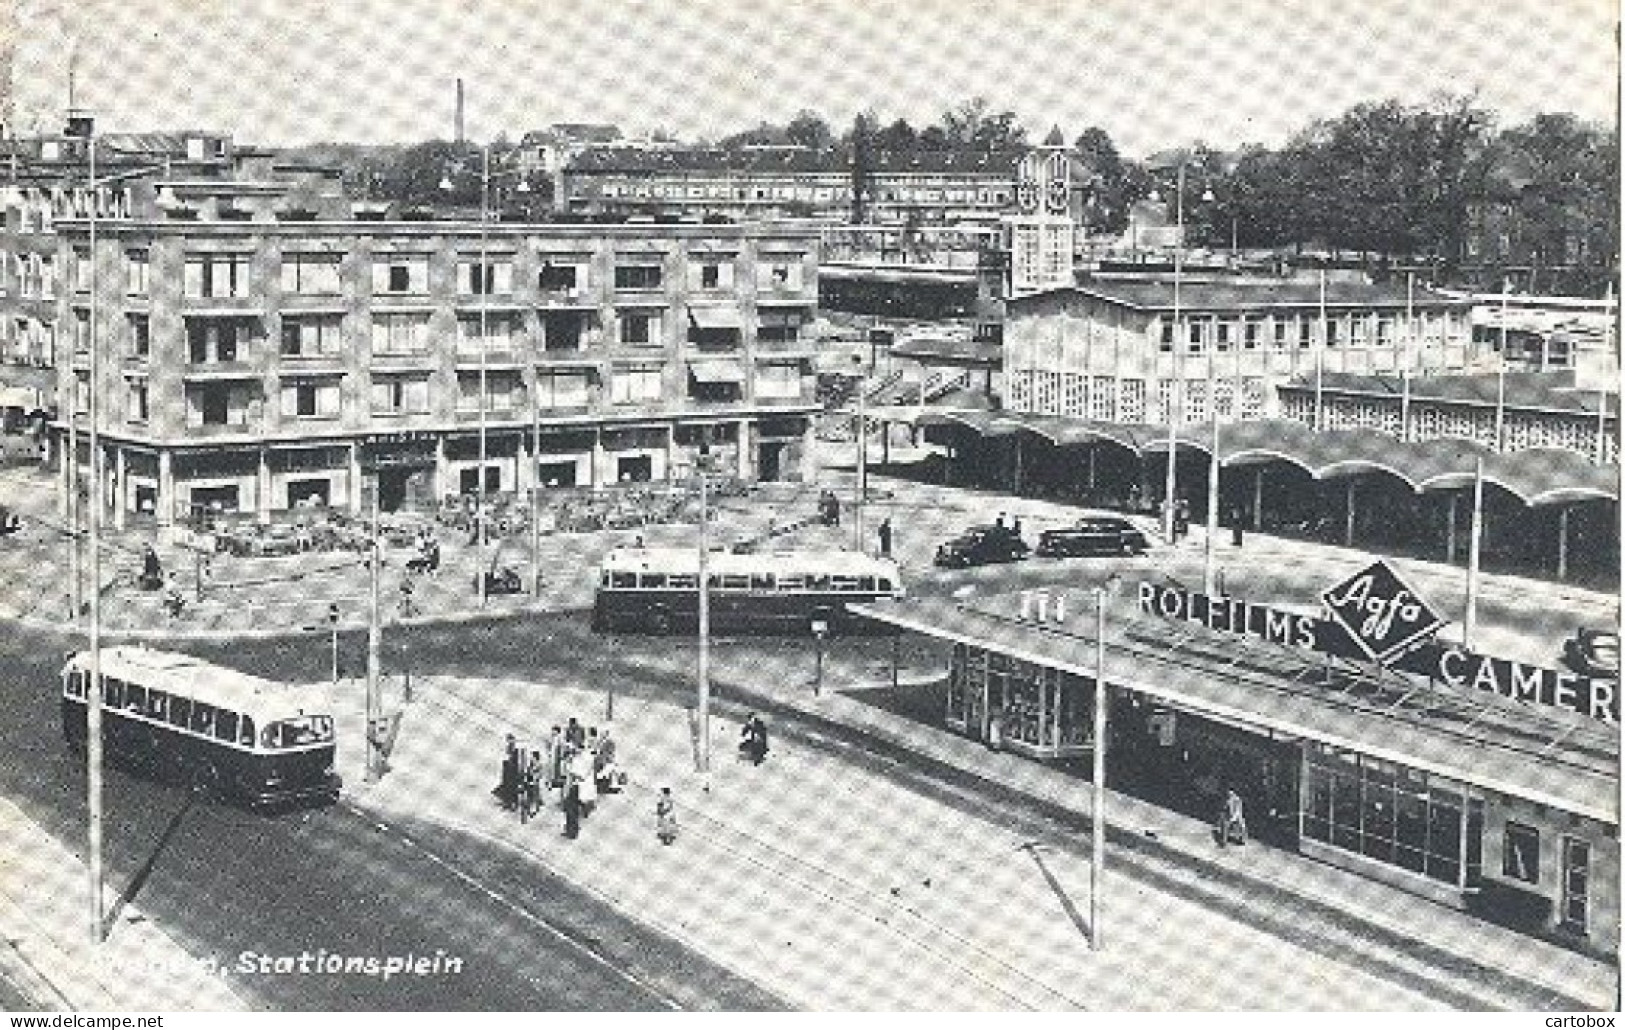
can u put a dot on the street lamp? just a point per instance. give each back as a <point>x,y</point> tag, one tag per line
<point>703,665</point>
<point>484,282</point>
<point>1175,405</point>
<point>82,125</point>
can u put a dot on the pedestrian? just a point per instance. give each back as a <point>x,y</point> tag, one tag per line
<point>555,758</point>
<point>530,787</point>
<point>1182,519</point>
<point>998,523</point>
<point>885,537</point>
<point>995,731</point>
<point>572,811</point>
<point>1236,530</point>
<point>603,764</point>
<point>507,790</point>
<point>586,786</point>
<point>575,734</point>
<point>1015,527</point>
<point>665,816</point>
<point>1232,821</point>
<point>753,739</point>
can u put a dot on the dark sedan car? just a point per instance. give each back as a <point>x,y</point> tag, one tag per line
<point>1593,652</point>
<point>981,545</point>
<point>1093,536</point>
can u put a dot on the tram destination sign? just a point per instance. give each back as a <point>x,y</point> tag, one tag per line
<point>1381,612</point>
<point>1450,664</point>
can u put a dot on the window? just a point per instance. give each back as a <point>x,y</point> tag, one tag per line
<point>140,336</point>
<point>711,273</point>
<point>1167,335</point>
<point>1306,333</point>
<point>1222,335</point>
<point>400,395</point>
<point>502,391</point>
<point>778,381</point>
<point>779,327</point>
<point>203,717</point>
<point>638,277</point>
<point>561,390</point>
<point>630,385</point>
<point>491,277</point>
<point>779,272</point>
<point>1194,333</point>
<point>213,339</point>
<point>81,332</point>
<point>79,270</point>
<point>1520,857</point>
<point>310,400</point>
<point>216,275</point>
<point>1283,331</point>
<point>400,334</point>
<point>225,725</point>
<point>1331,332</point>
<point>400,275</point>
<point>308,337</point>
<point>1252,331</point>
<point>136,400</point>
<point>558,277</point>
<point>640,327</point>
<point>310,273</point>
<point>500,330</point>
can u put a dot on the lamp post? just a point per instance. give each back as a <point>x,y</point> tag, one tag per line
<point>703,662</point>
<point>83,126</point>
<point>862,453</point>
<point>1213,448</point>
<point>1175,409</point>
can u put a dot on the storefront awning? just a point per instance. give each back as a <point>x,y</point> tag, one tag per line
<point>19,397</point>
<point>714,318</point>
<point>716,371</point>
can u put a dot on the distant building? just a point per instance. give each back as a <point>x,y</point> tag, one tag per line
<point>1138,351</point>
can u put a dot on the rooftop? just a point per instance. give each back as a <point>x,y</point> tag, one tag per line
<point>1242,295</point>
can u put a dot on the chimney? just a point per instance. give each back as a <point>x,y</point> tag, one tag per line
<point>460,136</point>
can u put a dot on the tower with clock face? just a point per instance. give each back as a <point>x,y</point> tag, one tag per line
<point>1040,234</point>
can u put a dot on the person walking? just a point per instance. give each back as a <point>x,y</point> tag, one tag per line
<point>1236,529</point>
<point>885,537</point>
<point>572,810</point>
<point>586,786</point>
<point>575,734</point>
<point>1182,519</point>
<point>555,758</point>
<point>507,791</point>
<point>753,739</point>
<point>665,817</point>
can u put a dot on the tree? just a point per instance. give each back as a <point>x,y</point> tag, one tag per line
<point>862,165</point>
<point>898,137</point>
<point>808,129</point>
<point>1106,210</point>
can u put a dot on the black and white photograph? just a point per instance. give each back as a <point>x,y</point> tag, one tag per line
<point>809,506</point>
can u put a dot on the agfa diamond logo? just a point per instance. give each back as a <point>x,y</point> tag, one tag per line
<point>1381,612</point>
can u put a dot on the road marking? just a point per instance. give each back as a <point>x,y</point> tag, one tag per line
<point>518,909</point>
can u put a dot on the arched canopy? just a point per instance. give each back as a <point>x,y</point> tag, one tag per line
<point>1066,432</point>
<point>1538,476</point>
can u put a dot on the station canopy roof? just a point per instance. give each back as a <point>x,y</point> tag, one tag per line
<point>1538,476</point>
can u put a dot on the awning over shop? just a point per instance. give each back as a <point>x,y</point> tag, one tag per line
<point>717,371</point>
<point>714,318</point>
<point>22,397</point>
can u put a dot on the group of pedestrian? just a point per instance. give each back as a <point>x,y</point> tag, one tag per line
<point>576,761</point>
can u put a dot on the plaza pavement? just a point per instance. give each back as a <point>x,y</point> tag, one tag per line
<point>827,884</point>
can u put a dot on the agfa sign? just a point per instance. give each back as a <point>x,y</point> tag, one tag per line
<point>1380,612</point>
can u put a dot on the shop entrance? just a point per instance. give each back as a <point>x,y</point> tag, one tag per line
<point>769,462</point>
<point>554,474</point>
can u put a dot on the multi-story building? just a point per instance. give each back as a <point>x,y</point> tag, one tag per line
<point>254,364</point>
<point>181,176</point>
<point>1140,351</point>
<point>747,183</point>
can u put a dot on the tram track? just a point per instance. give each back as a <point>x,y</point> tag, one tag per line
<point>831,887</point>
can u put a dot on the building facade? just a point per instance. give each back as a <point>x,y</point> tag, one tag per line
<point>255,365</point>
<point>1137,351</point>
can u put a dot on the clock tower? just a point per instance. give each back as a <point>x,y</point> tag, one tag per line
<point>1040,234</point>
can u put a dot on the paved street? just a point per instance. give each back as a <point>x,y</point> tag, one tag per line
<point>777,848</point>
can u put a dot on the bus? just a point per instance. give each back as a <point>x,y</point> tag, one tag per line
<point>234,735</point>
<point>656,590</point>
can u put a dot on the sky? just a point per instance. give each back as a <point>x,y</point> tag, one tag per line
<point>1152,73</point>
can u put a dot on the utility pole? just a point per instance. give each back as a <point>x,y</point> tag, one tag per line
<point>374,632</point>
<point>83,126</point>
<point>862,457</point>
<point>1174,411</point>
<point>1097,844</point>
<point>703,671</point>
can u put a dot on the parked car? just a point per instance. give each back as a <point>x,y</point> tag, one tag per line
<point>1093,535</point>
<point>1593,652</point>
<point>981,545</point>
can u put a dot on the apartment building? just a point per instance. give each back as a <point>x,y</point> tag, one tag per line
<point>257,364</point>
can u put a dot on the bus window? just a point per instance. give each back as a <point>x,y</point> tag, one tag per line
<point>735,582</point>
<point>112,692</point>
<point>76,684</point>
<point>225,726</point>
<point>683,581</point>
<point>653,579</point>
<point>761,581</point>
<point>135,698</point>
<point>623,580</point>
<point>157,703</point>
<point>245,732</point>
<point>203,719</point>
<point>866,584</point>
<point>843,583</point>
<point>885,585</point>
<point>180,711</point>
<point>792,581</point>
<point>309,729</point>
<point>816,582</point>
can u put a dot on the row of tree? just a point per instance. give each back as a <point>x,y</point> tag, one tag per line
<point>1393,182</point>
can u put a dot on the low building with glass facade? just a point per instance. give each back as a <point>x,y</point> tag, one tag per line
<point>1491,785</point>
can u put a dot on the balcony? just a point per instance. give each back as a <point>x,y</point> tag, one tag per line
<point>579,297</point>
<point>218,370</point>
